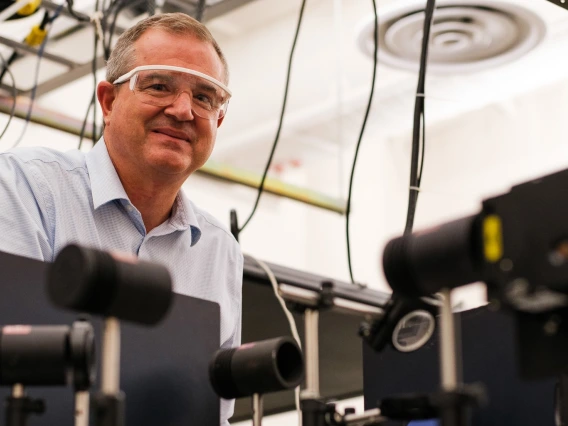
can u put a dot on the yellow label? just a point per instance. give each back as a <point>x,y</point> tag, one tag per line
<point>29,8</point>
<point>36,36</point>
<point>492,238</point>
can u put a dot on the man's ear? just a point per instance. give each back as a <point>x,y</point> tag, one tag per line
<point>106,94</point>
<point>220,120</point>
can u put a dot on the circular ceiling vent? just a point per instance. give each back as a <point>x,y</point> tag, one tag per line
<point>466,36</point>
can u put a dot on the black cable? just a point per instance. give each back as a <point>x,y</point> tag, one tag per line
<point>104,24</point>
<point>107,35</point>
<point>261,187</point>
<point>369,103</point>
<point>7,63</point>
<point>418,118</point>
<point>47,19</point>
<point>118,5</point>
<point>14,94</point>
<point>84,125</point>
<point>106,53</point>
<point>73,14</point>
<point>422,148</point>
<point>151,7</point>
<point>396,301</point>
<point>94,70</point>
<point>34,89</point>
<point>200,9</point>
<point>15,55</point>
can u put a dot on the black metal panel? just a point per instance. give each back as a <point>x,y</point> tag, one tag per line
<point>489,350</point>
<point>164,369</point>
<point>255,274</point>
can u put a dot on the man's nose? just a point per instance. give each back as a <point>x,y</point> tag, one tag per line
<point>181,107</point>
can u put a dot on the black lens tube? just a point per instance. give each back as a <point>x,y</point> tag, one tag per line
<point>257,368</point>
<point>34,356</point>
<point>121,286</point>
<point>424,262</point>
<point>49,355</point>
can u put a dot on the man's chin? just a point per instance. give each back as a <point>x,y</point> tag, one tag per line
<point>169,165</point>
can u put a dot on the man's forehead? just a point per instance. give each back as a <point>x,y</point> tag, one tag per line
<point>158,46</point>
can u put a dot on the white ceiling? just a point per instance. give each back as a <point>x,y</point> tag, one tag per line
<point>330,80</point>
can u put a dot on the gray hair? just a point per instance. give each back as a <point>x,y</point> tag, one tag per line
<point>122,58</point>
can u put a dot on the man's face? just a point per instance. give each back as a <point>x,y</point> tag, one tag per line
<point>168,142</point>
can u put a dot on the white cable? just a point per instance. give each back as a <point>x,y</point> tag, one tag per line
<point>291,321</point>
<point>96,20</point>
<point>159,6</point>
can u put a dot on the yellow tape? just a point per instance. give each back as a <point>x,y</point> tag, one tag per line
<point>29,8</point>
<point>36,36</point>
<point>492,238</point>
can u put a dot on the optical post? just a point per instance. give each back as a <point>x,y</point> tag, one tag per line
<point>257,368</point>
<point>315,410</point>
<point>116,287</point>
<point>46,356</point>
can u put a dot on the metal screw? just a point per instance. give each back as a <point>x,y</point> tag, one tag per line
<point>494,305</point>
<point>365,330</point>
<point>506,265</point>
<point>552,325</point>
<point>517,288</point>
<point>556,259</point>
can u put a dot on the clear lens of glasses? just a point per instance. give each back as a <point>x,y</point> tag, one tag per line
<point>163,87</point>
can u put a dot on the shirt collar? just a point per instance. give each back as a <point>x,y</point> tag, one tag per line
<point>105,183</point>
<point>183,217</point>
<point>106,187</point>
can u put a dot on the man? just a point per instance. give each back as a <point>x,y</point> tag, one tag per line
<point>164,98</point>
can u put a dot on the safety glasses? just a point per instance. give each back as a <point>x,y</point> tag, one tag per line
<point>161,85</point>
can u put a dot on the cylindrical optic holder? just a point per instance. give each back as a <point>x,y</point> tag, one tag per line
<point>445,256</point>
<point>257,368</point>
<point>47,355</point>
<point>44,356</point>
<point>117,287</point>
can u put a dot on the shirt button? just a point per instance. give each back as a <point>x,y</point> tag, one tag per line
<point>129,208</point>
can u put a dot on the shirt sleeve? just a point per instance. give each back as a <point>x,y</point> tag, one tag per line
<point>228,406</point>
<point>24,217</point>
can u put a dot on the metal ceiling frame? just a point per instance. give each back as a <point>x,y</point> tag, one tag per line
<point>77,70</point>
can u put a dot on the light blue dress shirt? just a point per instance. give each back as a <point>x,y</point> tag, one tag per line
<point>49,199</point>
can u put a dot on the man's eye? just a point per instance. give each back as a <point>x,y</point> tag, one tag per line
<point>158,87</point>
<point>204,99</point>
<point>154,87</point>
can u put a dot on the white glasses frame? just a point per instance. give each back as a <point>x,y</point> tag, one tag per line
<point>132,72</point>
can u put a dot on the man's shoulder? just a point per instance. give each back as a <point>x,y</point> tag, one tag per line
<point>43,157</point>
